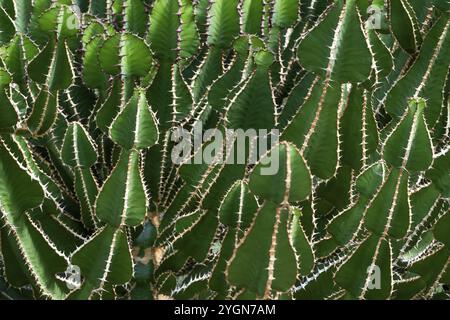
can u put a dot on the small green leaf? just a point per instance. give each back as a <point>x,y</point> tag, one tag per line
<point>109,55</point>
<point>367,273</point>
<point>136,17</point>
<point>38,67</point>
<point>336,47</point>
<point>135,126</point>
<point>404,25</point>
<point>111,107</point>
<point>105,258</point>
<point>314,128</point>
<point>60,20</point>
<point>426,77</point>
<point>136,56</point>
<point>86,190</point>
<point>122,199</point>
<point>190,40</point>
<point>222,87</point>
<point>163,32</point>
<point>18,191</point>
<point>78,149</point>
<point>256,91</point>
<point>127,54</point>
<point>285,13</point>
<point>359,129</point>
<point>389,211</point>
<point>238,207</point>
<point>44,113</point>
<point>224,23</point>
<point>301,245</point>
<point>53,66</point>
<point>409,146</point>
<point>93,75</point>
<point>252,11</point>
<point>285,170</point>
<point>264,260</point>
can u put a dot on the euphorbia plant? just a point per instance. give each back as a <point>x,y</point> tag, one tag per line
<point>348,101</point>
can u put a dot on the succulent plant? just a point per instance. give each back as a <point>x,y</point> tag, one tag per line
<point>95,97</point>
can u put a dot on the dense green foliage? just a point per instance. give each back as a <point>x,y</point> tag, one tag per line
<point>92,90</point>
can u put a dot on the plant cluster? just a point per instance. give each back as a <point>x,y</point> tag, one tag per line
<point>92,205</point>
